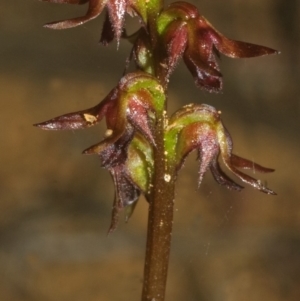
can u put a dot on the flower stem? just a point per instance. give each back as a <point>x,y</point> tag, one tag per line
<point>160,222</point>
<point>161,201</point>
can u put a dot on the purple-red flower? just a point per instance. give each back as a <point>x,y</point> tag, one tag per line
<point>185,33</point>
<point>116,12</point>
<point>199,127</point>
<point>130,111</point>
<point>127,108</point>
<point>131,178</point>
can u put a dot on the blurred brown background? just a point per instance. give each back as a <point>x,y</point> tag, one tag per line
<point>55,203</point>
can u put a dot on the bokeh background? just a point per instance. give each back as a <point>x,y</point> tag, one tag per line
<point>55,203</point>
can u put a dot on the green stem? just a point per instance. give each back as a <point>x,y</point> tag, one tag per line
<point>154,8</point>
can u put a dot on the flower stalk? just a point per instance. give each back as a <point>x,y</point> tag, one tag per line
<point>160,222</point>
<point>162,196</point>
<point>143,148</point>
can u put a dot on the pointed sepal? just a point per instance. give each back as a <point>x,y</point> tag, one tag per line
<point>199,128</point>
<point>81,119</point>
<point>126,194</point>
<point>186,33</point>
<point>94,10</point>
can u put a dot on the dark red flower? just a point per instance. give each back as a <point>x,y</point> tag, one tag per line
<point>130,111</point>
<point>116,12</point>
<point>185,33</point>
<point>199,127</point>
<point>131,178</point>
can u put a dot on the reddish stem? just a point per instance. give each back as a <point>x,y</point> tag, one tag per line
<point>160,221</point>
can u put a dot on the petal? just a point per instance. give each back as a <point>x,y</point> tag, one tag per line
<point>116,10</point>
<point>182,10</point>
<point>205,76</point>
<point>81,119</point>
<point>141,51</point>
<point>147,88</point>
<point>232,48</point>
<point>206,153</point>
<point>140,164</point>
<point>225,142</point>
<point>94,10</point>
<point>200,136</point>
<point>112,149</point>
<point>126,190</point>
<point>194,112</point>
<point>257,184</point>
<point>238,49</point>
<point>138,114</point>
<point>176,40</point>
<point>129,211</point>
<point>126,194</point>
<point>221,177</point>
<point>239,162</point>
<point>117,207</point>
<point>107,34</point>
